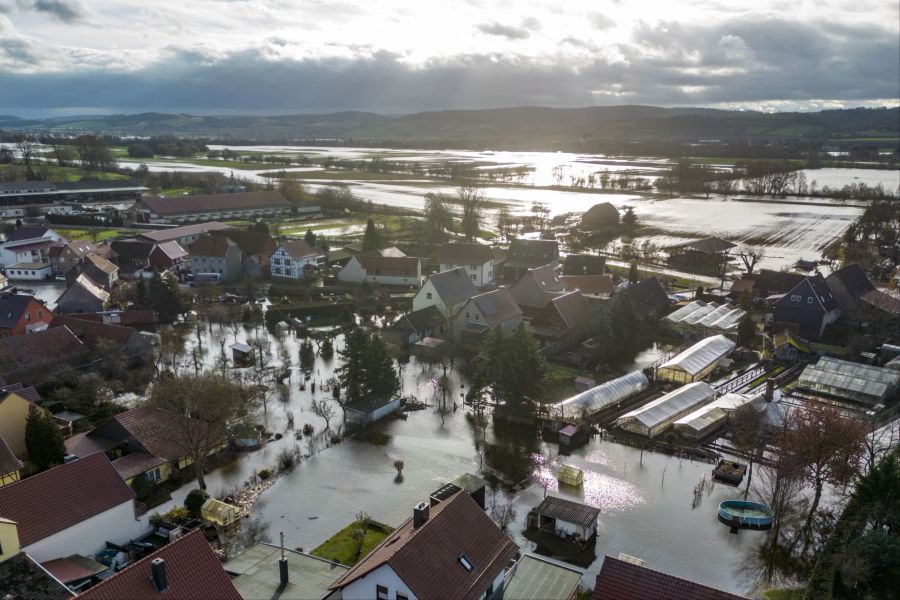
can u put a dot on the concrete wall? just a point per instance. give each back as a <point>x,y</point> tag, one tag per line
<point>117,525</point>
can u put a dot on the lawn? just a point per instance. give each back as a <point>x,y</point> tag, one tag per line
<point>85,234</point>
<point>342,548</point>
<point>784,594</point>
<point>55,173</point>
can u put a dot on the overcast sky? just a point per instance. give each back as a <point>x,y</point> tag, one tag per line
<point>401,56</point>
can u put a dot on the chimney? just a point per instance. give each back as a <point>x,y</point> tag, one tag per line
<point>420,514</point>
<point>158,574</point>
<point>770,389</point>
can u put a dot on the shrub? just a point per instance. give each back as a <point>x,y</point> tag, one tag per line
<point>178,515</point>
<point>264,474</point>
<point>194,501</point>
<point>308,430</point>
<point>335,439</point>
<point>142,486</point>
<point>288,458</point>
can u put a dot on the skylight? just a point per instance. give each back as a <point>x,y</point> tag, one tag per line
<point>465,562</point>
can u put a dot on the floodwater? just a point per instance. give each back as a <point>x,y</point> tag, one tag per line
<point>648,503</point>
<point>838,178</point>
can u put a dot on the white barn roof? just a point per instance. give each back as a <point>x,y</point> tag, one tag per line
<point>701,355</point>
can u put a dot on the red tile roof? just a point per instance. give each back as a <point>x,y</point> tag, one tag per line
<point>592,285</point>
<point>427,558</point>
<point>91,332</point>
<point>389,265</point>
<point>147,425</point>
<point>179,205</point>
<point>49,502</point>
<point>464,254</point>
<point>620,580</point>
<point>193,572</point>
<point>211,245</point>
<point>299,249</point>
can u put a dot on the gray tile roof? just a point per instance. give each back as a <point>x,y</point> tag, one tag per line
<point>568,511</point>
<point>453,286</point>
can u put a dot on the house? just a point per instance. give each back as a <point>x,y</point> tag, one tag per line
<point>536,288</point>
<point>33,358</point>
<point>20,575</point>
<point>599,217</point>
<point>16,402</point>
<point>184,235</point>
<point>10,466</point>
<point>257,574</point>
<point>595,287</point>
<point>859,299</point>
<point>146,440</point>
<point>383,270</point>
<point>452,551</point>
<point>369,409</point>
<point>584,264</point>
<point>217,254</point>
<point>256,250</point>
<point>83,296</point>
<point>22,314</point>
<point>477,260</point>
<point>566,318</point>
<point>131,255</point>
<point>95,334</point>
<point>529,254</point>
<point>66,256</point>
<point>28,244</point>
<point>168,256</point>
<point>418,325</point>
<point>211,207</point>
<point>186,569</point>
<point>99,270</point>
<point>648,298</point>
<point>631,579</point>
<point>29,271</point>
<point>707,255</point>
<point>807,308</point>
<point>564,518</point>
<point>294,258</point>
<point>99,507</point>
<point>447,291</point>
<point>536,578</point>
<point>486,311</point>
<point>769,283</point>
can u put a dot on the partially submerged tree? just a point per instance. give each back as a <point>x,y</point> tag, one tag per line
<point>324,410</point>
<point>367,366</point>
<point>438,217</point>
<point>471,199</point>
<point>750,256</point>
<point>747,435</point>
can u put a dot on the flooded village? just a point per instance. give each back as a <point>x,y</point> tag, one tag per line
<point>544,378</point>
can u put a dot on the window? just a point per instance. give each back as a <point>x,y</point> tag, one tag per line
<point>381,592</point>
<point>464,561</point>
<point>154,475</point>
<point>428,295</point>
<point>809,300</point>
<point>473,277</point>
<point>40,314</point>
<point>27,316</point>
<point>402,596</point>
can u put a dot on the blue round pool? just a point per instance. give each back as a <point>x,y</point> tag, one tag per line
<point>746,515</point>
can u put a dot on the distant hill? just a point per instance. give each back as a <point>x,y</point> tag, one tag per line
<point>528,126</point>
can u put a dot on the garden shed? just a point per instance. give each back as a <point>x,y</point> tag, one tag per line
<point>655,417</point>
<point>369,409</point>
<point>565,518</point>
<point>696,362</point>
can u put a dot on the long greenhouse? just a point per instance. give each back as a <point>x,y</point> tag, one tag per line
<point>696,362</point>
<point>854,382</point>
<point>708,418</point>
<point>604,395</point>
<point>655,417</point>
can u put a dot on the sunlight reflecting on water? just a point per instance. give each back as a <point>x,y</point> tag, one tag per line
<point>609,493</point>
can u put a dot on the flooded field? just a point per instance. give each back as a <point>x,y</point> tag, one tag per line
<point>648,503</point>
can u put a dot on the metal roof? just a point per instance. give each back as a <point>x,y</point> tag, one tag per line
<point>673,404</point>
<point>701,355</point>
<point>608,393</point>
<point>848,379</point>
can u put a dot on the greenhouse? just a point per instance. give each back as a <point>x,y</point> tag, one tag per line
<point>657,416</point>
<point>605,395</point>
<point>696,362</point>
<point>695,317</point>
<point>710,318</point>
<point>730,320</point>
<point>684,311</point>
<point>707,419</point>
<point>849,381</point>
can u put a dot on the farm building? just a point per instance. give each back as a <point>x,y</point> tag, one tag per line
<point>367,410</point>
<point>841,380</point>
<point>707,419</point>
<point>657,416</point>
<point>606,394</point>
<point>696,362</point>
<point>212,207</point>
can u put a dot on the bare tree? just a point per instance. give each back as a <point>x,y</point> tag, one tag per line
<point>471,198</point>
<point>750,256</point>
<point>27,149</point>
<point>503,511</point>
<point>325,410</point>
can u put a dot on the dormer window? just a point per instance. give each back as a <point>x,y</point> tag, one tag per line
<point>809,300</point>
<point>465,563</point>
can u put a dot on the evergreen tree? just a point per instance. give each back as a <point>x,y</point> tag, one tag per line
<point>43,440</point>
<point>350,373</point>
<point>746,332</point>
<point>380,376</point>
<point>371,238</point>
<point>606,345</point>
<point>163,295</point>
<point>310,238</point>
<point>140,292</point>
<point>307,355</point>
<point>626,328</point>
<point>367,366</point>
<point>511,367</point>
<point>633,275</point>
<point>327,350</point>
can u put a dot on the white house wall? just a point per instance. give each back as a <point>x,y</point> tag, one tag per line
<point>364,588</point>
<point>117,525</point>
<point>481,275</point>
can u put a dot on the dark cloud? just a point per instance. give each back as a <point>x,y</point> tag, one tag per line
<point>510,32</point>
<point>601,21</point>
<point>67,11</point>
<point>740,61</point>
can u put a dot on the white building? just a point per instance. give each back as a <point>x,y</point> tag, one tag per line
<point>293,258</point>
<point>29,271</point>
<point>43,507</point>
<point>476,259</point>
<point>447,291</point>
<point>452,550</point>
<point>28,244</point>
<point>383,270</point>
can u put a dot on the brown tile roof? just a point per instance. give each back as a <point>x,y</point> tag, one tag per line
<point>179,205</point>
<point>566,510</point>
<point>41,349</point>
<point>49,502</point>
<point>102,263</point>
<point>593,285</point>
<point>29,393</point>
<point>648,296</point>
<point>299,250</point>
<point>250,242</point>
<point>91,332</point>
<point>464,254</point>
<point>148,426</point>
<point>21,577</point>
<point>193,572</point>
<point>174,233</point>
<point>882,301</point>
<point>8,460</point>
<point>136,463</point>
<point>211,245</point>
<point>620,580</point>
<point>427,558</point>
<point>391,264</point>
<point>742,285</point>
<point>73,568</point>
<point>81,248</point>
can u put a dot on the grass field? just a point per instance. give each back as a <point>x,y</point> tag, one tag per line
<point>78,233</point>
<point>55,173</point>
<point>342,547</point>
